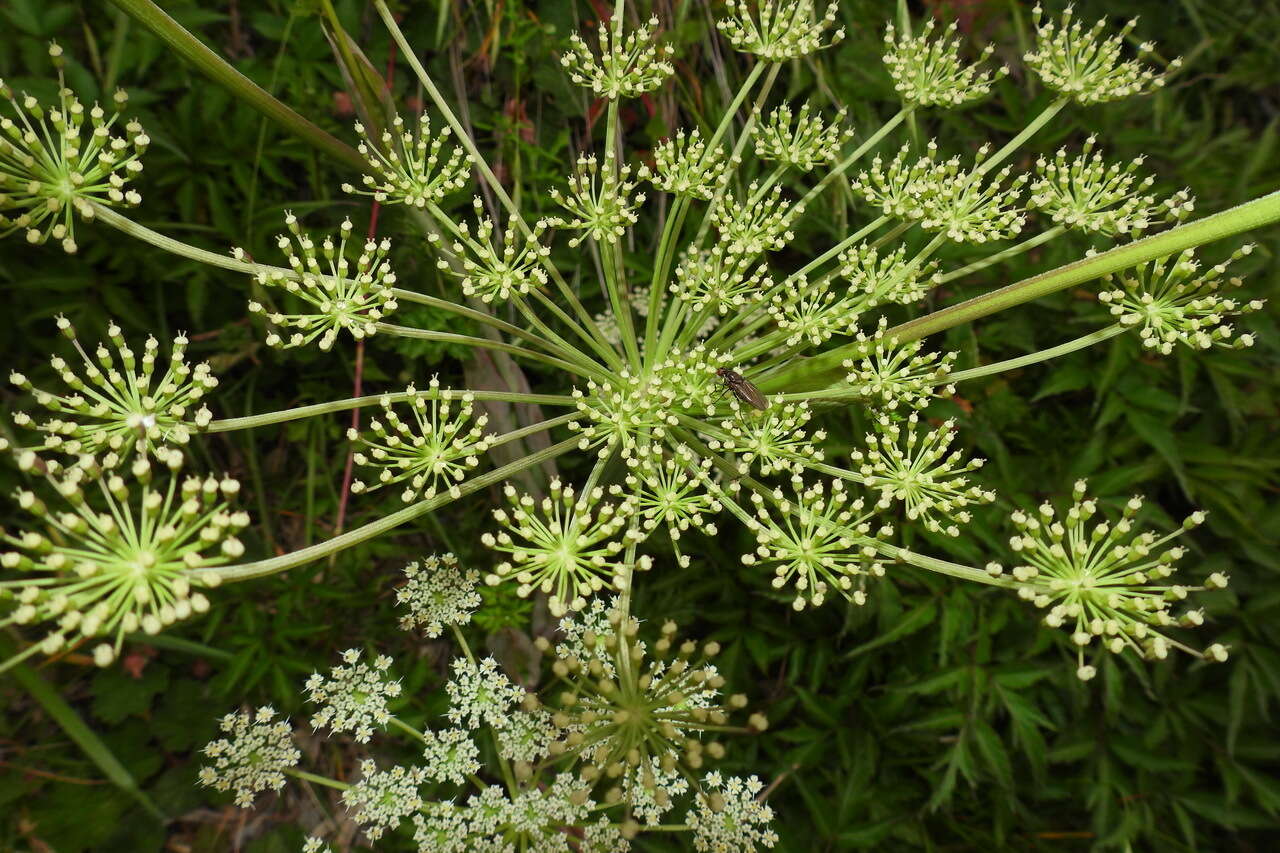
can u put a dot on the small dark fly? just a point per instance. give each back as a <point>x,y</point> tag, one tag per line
<point>742,388</point>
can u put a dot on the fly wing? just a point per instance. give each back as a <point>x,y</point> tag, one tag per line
<point>750,394</point>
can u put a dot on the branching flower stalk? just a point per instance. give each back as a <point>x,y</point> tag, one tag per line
<point>687,387</point>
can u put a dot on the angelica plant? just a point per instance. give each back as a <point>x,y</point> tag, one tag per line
<point>631,330</point>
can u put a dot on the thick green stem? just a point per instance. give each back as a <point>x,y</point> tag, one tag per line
<point>1036,357</point>
<point>274,565</point>
<point>824,369</point>
<point>284,415</point>
<point>221,72</point>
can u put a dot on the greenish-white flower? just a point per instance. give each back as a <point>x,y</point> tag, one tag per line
<point>124,553</point>
<point>437,592</point>
<point>58,161</point>
<point>601,201</point>
<point>685,165</point>
<point>777,30</point>
<point>450,755</point>
<point>759,223</point>
<point>968,206</point>
<point>890,374</point>
<point>1088,67</point>
<point>729,815</point>
<point>495,264</point>
<point>910,465</point>
<point>354,696</point>
<point>1088,194</point>
<point>566,546</point>
<point>382,799</point>
<point>1108,583</point>
<point>254,758</point>
<point>818,539</point>
<point>429,454</point>
<point>335,295</point>
<point>673,488</point>
<point>479,694</point>
<point>802,140</point>
<point>721,278</point>
<point>650,708</point>
<point>119,403</point>
<point>927,69</point>
<point>417,168</point>
<point>621,66</point>
<point>1172,301</point>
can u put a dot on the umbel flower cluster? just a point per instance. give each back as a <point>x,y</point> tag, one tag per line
<point>613,751</point>
<point>681,340</point>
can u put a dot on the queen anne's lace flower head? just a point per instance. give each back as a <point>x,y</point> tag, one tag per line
<point>254,758</point>
<point>336,296</point>
<point>354,697</point>
<point>1106,582</point>
<point>124,554</point>
<point>119,404</point>
<point>438,592</point>
<point>381,799</point>
<point>416,169</point>
<point>59,161</point>
<point>802,140</point>
<point>526,738</point>
<point>913,466</point>
<point>1088,194</point>
<point>1172,301</point>
<point>821,539</point>
<point>927,70</point>
<point>890,374</point>
<point>646,708</point>
<point>622,66</point>
<point>479,694</point>
<point>685,165</point>
<point>565,545</point>
<point>729,816</point>
<point>601,201</point>
<point>450,755</point>
<point>1086,67</point>
<point>777,30</point>
<point>432,453</point>
<point>496,268</point>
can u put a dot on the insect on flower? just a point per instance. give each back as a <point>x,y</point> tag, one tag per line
<point>742,388</point>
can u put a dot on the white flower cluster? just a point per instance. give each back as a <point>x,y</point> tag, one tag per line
<point>1086,67</point>
<point>353,697</point>
<point>778,30</point>
<point>622,66</point>
<point>433,453</point>
<point>1171,301</point>
<point>340,297</point>
<point>438,592</point>
<point>119,404</point>
<point>927,71</point>
<point>417,169</point>
<point>254,758</point>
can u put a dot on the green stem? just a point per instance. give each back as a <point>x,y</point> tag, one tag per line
<point>285,415</point>
<point>481,164</point>
<point>221,72</point>
<point>274,565</point>
<point>485,343</point>
<point>824,369</point>
<point>1037,357</point>
<point>319,780</point>
<point>1046,115</point>
<point>407,729</point>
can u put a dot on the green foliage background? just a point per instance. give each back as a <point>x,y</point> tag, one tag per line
<point>938,716</point>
